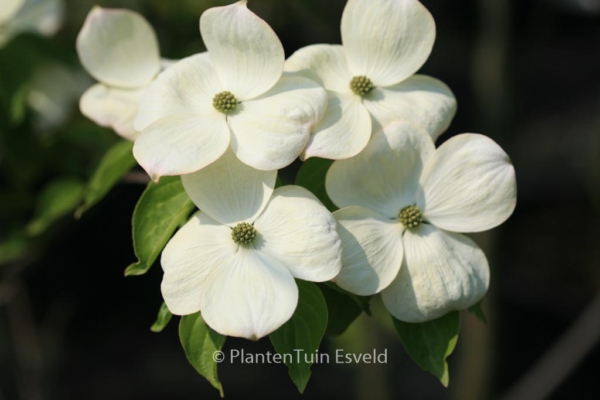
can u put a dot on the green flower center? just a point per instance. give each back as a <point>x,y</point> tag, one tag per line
<point>410,216</point>
<point>243,233</point>
<point>361,85</point>
<point>225,102</point>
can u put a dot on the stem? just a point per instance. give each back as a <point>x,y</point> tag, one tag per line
<point>136,177</point>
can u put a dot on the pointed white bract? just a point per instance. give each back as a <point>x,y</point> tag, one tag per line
<point>441,272</point>
<point>113,107</point>
<point>119,49</point>
<point>247,289</point>
<point>372,250</point>
<point>386,41</point>
<point>269,115</point>
<point>43,17</point>
<point>245,50</point>
<point>412,255</point>
<point>230,192</point>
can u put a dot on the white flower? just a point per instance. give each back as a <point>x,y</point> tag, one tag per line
<point>39,16</point>
<point>120,50</point>
<point>233,95</point>
<point>236,260</point>
<point>403,202</point>
<point>369,80</point>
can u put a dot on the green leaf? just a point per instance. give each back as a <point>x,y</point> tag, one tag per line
<point>477,310</point>
<point>430,343</point>
<point>13,248</point>
<point>117,161</point>
<point>361,301</point>
<point>304,331</point>
<point>162,320</point>
<point>160,210</point>
<point>18,106</point>
<point>312,177</point>
<point>342,310</point>
<point>58,198</point>
<point>200,344</point>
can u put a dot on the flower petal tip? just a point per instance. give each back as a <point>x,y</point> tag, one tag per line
<point>304,156</point>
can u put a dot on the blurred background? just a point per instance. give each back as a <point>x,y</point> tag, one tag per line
<point>525,72</point>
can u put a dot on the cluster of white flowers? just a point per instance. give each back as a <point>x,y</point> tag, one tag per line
<point>226,120</point>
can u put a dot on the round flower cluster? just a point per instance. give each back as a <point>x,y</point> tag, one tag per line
<point>243,233</point>
<point>361,85</point>
<point>410,217</point>
<point>403,204</point>
<point>224,102</point>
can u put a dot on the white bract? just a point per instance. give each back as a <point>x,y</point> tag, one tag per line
<point>39,16</point>
<point>236,259</point>
<point>369,80</point>
<point>232,96</point>
<point>403,202</point>
<point>120,50</point>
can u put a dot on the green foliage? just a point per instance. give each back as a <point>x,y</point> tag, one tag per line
<point>162,319</point>
<point>57,199</point>
<point>430,343</point>
<point>160,210</point>
<point>477,310</point>
<point>342,310</point>
<point>18,105</point>
<point>117,161</point>
<point>304,331</point>
<point>361,301</point>
<point>13,248</point>
<point>200,343</point>
<point>312,177</point>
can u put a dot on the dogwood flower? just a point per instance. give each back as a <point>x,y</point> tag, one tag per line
<point>119,49</point>
<point>403,202</point>
<point>19,16</point>
<point>232,96</point>
<point>369,80</point>
<point>236,259</point>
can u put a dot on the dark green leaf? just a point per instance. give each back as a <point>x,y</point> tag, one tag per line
<point>19,105</point>
<point>312,177</point>
<point>13,249</point>
<point>58,198</point>
<point>162,320</point>
<point>477,310</point>
<point>160,210</point>
<point>342,310</point>
<point>430,343</point>
<point>15,201</point>
<point>117,161</point>
<point>200,344</point>
<point>361,301</point>
<point>304,331</point>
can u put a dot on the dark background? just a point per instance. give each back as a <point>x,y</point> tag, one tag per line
<point>525,73</point>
